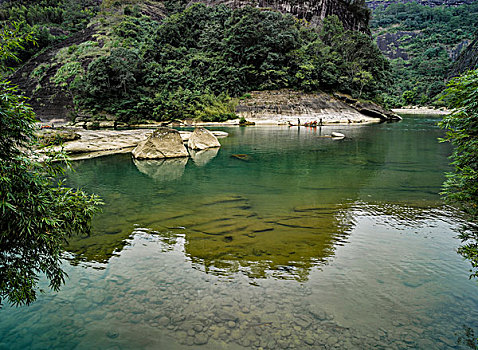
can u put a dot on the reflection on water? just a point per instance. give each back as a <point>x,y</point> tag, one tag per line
<point>310,243</point>
<point>203,157</point>
<point>163,169</point>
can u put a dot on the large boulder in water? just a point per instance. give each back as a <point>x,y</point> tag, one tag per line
<point>202,138</point>
<point>162,143</point>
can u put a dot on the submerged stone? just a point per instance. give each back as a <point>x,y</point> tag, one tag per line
<point>200,339</point>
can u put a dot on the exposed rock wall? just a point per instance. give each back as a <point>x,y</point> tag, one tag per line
<point>467,60</point>
<point>49,101</point>
<point>290,105</point>
<point>389,44</point>
<point>353,14</point>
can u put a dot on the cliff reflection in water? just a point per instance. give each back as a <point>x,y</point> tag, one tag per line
<point>277,215</point>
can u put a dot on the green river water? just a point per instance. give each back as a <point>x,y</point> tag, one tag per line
<point>304,243</point>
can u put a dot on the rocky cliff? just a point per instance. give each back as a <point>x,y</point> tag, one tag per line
<point>353,14</point>
<point>467,60</point>
<point>293,106</point>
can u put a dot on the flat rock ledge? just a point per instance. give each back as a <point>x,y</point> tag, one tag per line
<point>294,107</point>
<point>97,143</point>
<point>162,143</point>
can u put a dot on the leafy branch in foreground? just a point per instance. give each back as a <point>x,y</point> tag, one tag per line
<point>461,186</point>
<point>37,213</point>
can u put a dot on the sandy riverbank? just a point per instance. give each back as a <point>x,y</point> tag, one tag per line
<point>421,111</point>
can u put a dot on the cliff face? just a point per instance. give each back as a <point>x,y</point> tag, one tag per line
<point>291,105</point>
<point>353,14</point>
<point>390,44</point>
<point>467,60</point>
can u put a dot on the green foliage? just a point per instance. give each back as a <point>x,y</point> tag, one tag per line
<point>433,33</point>
<point>38,212</point>
<point>461,186</point>
<point>39,72</point>
<point>12,41</point>
<point>183,104</point>
<point>67,73</point>
<point>195,60</point>
<point>40,18</point>
<point>199,57</point>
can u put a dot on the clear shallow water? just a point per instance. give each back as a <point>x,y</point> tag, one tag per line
<point>309,243</point>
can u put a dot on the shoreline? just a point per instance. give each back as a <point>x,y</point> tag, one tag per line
<point>421,111</point>
<point>97,143</point>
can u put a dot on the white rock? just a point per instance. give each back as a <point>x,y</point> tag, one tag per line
<point>163,143</point>
<point>202,139</point>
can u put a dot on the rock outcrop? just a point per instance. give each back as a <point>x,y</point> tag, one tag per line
<point>299,107</point>
<point>368,108</point>
<point>354,14</point>
<point>391,44</point>
<point>56,136</point>
<point>467,60</point>
<point>337,135</point>
<point>202,138</point>
<point>163,143</point>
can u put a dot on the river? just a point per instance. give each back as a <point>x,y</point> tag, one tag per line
<point>281,239</point>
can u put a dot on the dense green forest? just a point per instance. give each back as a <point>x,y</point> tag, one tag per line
<point>195,62</point>
<point>430,37</point>
<point>49,21</point>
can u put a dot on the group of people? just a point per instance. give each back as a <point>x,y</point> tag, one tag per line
<point>313,124</point>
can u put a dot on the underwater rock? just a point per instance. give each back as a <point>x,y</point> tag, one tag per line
<point>241,156</point>
<point>163,321</point>
<point>162,143</point>
<point>202,138</point>
<point>200,339</point>
<point>226,316</point>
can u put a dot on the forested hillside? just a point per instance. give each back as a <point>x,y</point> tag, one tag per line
<point>49,21</point>
<point>422,42</point>
<point>146,59</point>
<point>432,3</point>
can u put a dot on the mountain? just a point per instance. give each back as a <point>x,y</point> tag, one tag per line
<point>131,60</point>
<point>422,43</point>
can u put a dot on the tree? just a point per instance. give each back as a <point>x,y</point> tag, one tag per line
<point>461,186</point>
<point>37,212</point>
